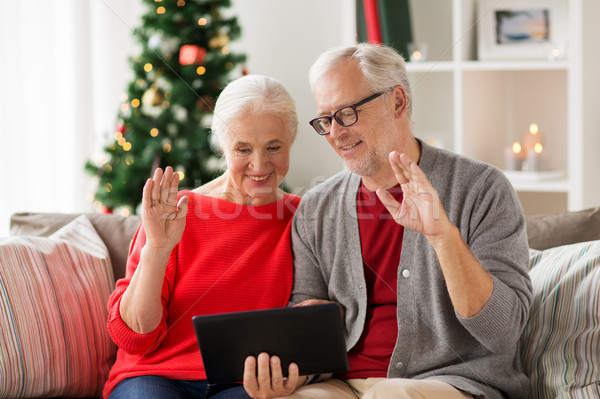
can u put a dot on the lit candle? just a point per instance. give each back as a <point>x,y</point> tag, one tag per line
<point>535,159</point>
<point>513,157</point>
<point>532,137</point>
<point>417,51</point>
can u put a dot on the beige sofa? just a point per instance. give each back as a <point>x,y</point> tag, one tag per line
<point>560,348</point>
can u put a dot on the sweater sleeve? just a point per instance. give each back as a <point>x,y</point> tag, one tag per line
<point>123,336</point>
<point>498,239</point>
<point>308,278</point>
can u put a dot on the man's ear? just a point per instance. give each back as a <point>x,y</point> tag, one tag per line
<point>399,100</point>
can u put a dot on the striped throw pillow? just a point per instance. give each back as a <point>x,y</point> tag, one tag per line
<point>53,295</point>
<point>560,347</point>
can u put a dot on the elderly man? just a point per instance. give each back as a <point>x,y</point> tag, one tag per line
<point>424,249</point>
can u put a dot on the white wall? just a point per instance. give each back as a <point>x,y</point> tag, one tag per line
<point>282,38</point>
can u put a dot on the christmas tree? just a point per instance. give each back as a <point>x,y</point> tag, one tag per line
<point>164,118</point>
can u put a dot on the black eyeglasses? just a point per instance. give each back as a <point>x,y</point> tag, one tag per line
<point>345,116</point>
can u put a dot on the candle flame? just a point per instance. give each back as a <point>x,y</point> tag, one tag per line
<point>516,147</point>
<point>533,129</point>
<point>417,55</point>
<point>538,147</point>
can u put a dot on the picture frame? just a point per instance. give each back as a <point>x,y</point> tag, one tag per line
<point>522,29</point>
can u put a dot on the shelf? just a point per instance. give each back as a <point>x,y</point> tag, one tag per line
<point>552,181</point>
<point>430,66</point>
<point>448,66</point>
<point>514,65</point>
<point>478,108</point>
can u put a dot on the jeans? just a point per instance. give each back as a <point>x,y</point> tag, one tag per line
<point>151,386</point>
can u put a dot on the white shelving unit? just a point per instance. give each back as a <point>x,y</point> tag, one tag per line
<point>478,108</point>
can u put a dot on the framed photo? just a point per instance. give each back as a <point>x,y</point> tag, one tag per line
<point>521,29</point>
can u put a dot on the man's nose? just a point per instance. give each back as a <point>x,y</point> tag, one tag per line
<point>336,129</point>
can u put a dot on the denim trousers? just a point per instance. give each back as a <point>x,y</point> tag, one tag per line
<point>151,386</point>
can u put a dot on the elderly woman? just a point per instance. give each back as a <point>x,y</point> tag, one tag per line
<point>222,247</point>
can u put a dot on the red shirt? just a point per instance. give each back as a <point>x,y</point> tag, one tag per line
<point>227,258</point>
<point>381,242</point>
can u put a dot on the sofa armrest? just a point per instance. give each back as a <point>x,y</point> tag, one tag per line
<point>116,231</point>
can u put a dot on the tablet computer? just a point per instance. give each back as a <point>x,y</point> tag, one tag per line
<point>310,336</point>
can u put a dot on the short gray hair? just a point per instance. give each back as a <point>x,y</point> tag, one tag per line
<point>382,66</point>
<point>255,93</point>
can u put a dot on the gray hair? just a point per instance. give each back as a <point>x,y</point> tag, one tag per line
<point>257,94</point>
<point>382,66</point>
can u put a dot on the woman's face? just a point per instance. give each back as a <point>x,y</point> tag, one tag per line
<point>257,153</point>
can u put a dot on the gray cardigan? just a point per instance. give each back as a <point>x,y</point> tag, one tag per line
<point>476,354</point>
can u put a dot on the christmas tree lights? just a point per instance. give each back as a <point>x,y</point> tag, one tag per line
<point>164,116</point>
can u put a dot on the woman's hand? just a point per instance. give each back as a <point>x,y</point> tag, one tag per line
<point>163,217</point>
<point>263,377</point>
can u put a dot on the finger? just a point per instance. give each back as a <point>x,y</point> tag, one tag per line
<point>292,379</point>
<point>276,374</point>
<point>158,174</point>
<point>173,189</point>
<point>264,371</point>
<point>182,207</point>
<point>250,382</point>
<point>165,186</point>
<point>398,167</point>
<point>390,203</point>
<point>147,194</point>
<point>311,302</point>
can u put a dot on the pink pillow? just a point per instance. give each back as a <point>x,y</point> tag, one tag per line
<point>53,295</point>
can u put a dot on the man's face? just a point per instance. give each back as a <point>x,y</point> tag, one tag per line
<point>364,146</point>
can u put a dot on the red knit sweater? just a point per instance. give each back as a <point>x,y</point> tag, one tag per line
<point>231,258</point>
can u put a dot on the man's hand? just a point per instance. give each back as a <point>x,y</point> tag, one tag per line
<point>421,209</point>
<point>311,302</point>
<point>263,377</point>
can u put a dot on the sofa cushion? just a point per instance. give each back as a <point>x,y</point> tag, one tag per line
<point>53,295</point>
<point>560,346</point>
<point>548,231</point>
<point>116,231</point>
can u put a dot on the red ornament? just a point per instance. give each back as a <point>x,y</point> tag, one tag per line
<point>121,128</point>
<point>190,54</point>
<point>106,211</point>
<point>245,71</point>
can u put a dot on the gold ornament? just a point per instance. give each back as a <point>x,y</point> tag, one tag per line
<point>153,97</point>
<point>219,41</point>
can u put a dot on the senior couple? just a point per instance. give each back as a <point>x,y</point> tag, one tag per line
<point>424,250</point>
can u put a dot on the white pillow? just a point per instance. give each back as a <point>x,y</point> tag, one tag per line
<point>560,347</point>
<point>53,295</point>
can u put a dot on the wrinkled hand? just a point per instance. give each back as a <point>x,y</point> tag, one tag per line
<point>421,209</point>
<point>163,217</point>
<point>263,377</point>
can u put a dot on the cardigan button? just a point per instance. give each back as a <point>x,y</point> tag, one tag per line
<point>406,273</point>
<point>399,366</point>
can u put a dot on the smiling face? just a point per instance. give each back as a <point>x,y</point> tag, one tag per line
<point>257,153</point>
<point>364,146</point>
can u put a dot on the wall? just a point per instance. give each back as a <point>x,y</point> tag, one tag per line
<point>282,38</point>
<point>64,65</point>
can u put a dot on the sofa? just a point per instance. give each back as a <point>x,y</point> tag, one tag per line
<point>57,271</point>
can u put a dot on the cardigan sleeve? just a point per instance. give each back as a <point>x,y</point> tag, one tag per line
<point>496,235</point>
<point>123,336</point>
<point>308,278</point>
